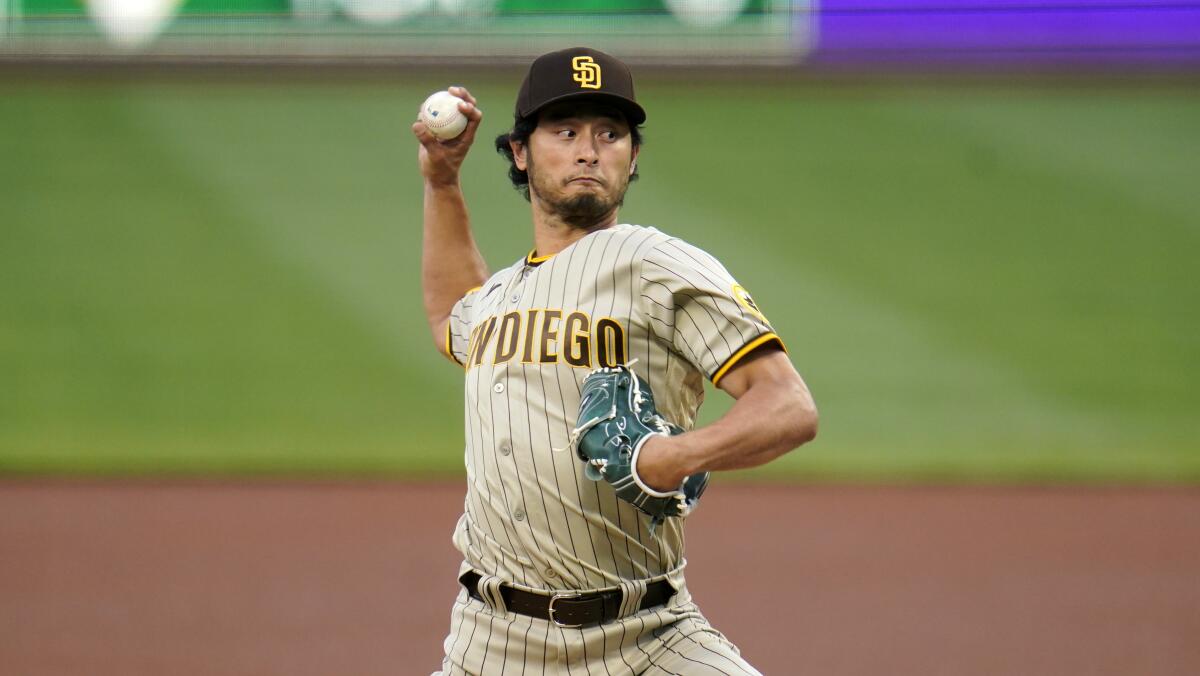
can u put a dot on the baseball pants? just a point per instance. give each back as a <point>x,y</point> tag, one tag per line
<point>670,639</point>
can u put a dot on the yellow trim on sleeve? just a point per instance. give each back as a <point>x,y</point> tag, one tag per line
<point>746,349</point>
<point>449,347</point>
<point>472,290</point>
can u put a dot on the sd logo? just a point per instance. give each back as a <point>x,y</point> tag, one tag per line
<point>587,72</point>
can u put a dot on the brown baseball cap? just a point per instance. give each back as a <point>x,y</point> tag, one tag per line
<point>575,73</point>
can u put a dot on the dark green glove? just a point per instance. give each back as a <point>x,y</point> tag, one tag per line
<point>616,418</point>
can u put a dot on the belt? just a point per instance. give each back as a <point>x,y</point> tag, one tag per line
<point>568,608</point>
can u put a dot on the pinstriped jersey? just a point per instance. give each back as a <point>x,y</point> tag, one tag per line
<point>527,339</point>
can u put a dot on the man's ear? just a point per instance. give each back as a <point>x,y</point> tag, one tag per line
<point>633,164</point>
<point>518,150</point>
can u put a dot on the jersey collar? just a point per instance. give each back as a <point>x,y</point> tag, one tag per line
<point>534,261</point>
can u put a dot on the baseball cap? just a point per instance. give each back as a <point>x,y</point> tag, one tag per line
<point>576,73</point>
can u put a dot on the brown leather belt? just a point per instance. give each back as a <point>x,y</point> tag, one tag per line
<point>567,608</point>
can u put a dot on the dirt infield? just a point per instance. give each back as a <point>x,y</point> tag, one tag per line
<point>357,579</point>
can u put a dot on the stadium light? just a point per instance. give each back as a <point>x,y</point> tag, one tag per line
<point>380,12</point>
<point>131,24</point>
<point>706,13</point>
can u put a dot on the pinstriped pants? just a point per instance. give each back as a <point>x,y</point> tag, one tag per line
<point>671,639</point>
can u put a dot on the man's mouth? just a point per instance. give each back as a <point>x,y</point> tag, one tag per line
<point>586,180</point>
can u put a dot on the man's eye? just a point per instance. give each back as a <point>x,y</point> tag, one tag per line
<point>566,133</point>
<point>609,135</point>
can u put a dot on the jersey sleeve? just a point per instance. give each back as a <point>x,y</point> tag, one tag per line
<point>695,304</point>
<point>458,329</point>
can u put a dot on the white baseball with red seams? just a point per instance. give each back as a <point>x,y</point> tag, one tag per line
<point>441,115</point>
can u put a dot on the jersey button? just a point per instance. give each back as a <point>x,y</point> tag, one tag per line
<point>550,573</point>
<point>516,298</point>
<point>498,388</point>
<point>505,450</point>
<point>519,514</point>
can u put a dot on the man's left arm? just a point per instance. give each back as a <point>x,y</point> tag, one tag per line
<point>774,413</point>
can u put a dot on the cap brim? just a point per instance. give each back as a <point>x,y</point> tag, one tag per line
<point>633,112</point>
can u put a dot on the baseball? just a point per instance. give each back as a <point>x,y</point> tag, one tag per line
<point>441,115</point>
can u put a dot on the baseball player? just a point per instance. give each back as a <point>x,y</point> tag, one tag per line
<point>584,366</point>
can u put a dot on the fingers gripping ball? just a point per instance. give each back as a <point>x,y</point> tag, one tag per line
<point>616,417</point>
<point>441,115</point>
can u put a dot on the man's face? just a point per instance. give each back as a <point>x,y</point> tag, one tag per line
<point>579,160</point>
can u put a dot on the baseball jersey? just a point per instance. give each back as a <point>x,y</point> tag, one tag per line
<point>527,339</point>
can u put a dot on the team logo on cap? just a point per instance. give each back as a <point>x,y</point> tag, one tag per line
<point>587,72</point>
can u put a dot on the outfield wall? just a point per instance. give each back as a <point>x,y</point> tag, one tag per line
<point>810,33</point>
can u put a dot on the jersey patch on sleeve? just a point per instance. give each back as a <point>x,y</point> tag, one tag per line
<point>744,299</point>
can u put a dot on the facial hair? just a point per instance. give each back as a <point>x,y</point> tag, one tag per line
<point>582,210</point>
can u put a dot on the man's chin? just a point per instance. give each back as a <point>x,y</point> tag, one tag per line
<point>584,211</point>
<point>581,209</point>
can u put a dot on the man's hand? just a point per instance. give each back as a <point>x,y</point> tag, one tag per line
<point>440,160</point>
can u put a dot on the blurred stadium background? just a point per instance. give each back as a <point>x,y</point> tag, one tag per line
<point>975,222</point>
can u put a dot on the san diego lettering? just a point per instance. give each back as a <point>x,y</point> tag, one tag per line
<point>548,336</point>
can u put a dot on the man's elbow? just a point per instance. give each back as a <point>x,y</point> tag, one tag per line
<point>804,417</point>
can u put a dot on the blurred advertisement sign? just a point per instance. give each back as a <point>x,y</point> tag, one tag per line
<point>659,31</point>
<point>1008,31</point>
<point>833,33</point>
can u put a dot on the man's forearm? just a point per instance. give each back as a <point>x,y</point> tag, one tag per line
<point>451,263</point>
<point>767,421</point>
<point>450,260</point>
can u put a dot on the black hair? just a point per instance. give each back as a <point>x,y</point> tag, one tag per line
<point>523,128</point>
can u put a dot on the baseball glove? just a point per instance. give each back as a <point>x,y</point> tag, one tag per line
<point>616,418</point>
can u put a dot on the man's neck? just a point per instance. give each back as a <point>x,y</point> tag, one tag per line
<point>551,234</point>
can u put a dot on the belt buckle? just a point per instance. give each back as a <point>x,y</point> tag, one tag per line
<point>558,596</point>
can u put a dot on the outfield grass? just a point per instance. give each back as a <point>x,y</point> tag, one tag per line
<point>992,284</point>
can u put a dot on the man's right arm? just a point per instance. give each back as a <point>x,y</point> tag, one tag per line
<point>451,263</point>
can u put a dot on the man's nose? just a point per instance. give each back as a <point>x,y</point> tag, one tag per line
<point>587,154</point>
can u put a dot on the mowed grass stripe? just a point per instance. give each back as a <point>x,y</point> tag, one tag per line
<point>959,300</point>
<point>1129,216</point>
<point>877,368</point>
<point>886,202</point>
<point>151,334</point>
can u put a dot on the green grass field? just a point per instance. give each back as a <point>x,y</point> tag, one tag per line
<point>978,283</point>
